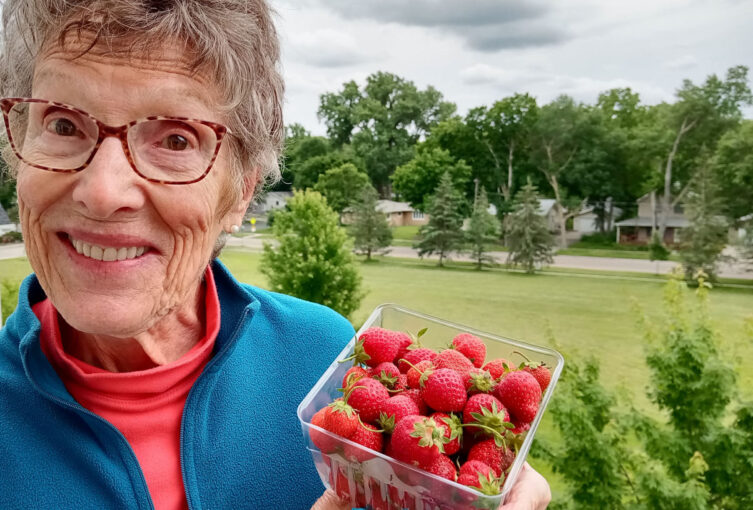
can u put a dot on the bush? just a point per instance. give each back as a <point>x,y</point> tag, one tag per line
<point>11,237</point>
<point>9,297</point>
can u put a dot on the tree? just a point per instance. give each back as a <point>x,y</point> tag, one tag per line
<point>528,239</point>
<point>341,185</point>
<point>312,260</point>
<point>706,236</point>
<point>443,233</point>
<point>370,230</point>
<point>383,121</point>
<point>733,170</point>
<point>483,229</point>
<point>416,180</point>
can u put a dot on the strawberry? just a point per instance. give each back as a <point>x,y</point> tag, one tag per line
<point>386,373</point>
<point>488,411</point>
<point>352,375</point>
<point>375,346</point>
<point>414,357</point>
<point>444,467</point>
<point>444,391</point>
<point>471,346</point>
<point>520,393</point>
<point>519,428</point>
<point>453,431</point>
<point>417,440</point>
<point>479,381</point>
<point>366,397</point>
<point>321,440</point>
<point>367,436</point>
<point>497,367</point>
<point>338,418</point>
<point>404,341</point>
<point>450,358</point>
<point>395,409</point>
<point>415,395</point>
<point>538,370</point>
<point>475,473</point>
<point>415,373</point>
<point>499,458</point>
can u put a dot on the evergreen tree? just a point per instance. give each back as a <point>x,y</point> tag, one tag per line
<point>443,233</point>
<point>483,229</point>
<point>312,260</point>
<point>370,230</point>
<point>528,238</point>
<point>706,236</point>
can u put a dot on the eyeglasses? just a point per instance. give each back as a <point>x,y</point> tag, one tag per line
<point>60,138</point>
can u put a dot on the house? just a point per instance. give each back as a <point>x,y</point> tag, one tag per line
<point>5,224</point>
<point>586,221</point>
<point>548,211</point>
<point>398,214</point>
<point>270,201</point>
<point>638,230</point>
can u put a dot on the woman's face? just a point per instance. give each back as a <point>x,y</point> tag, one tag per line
<point>107,205</point>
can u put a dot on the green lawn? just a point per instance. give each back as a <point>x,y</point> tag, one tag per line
<point>610,253</point>
<point>588,314</point>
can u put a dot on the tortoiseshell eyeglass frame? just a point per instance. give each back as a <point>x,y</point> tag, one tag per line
<point>105,131</point>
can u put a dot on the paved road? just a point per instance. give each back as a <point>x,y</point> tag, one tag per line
<point>254,243</point>
<point>565,261</point>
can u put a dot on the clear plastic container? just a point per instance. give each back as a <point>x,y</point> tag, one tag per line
<point>380,482</point>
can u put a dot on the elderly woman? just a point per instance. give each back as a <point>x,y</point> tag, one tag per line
<point>136,371</point>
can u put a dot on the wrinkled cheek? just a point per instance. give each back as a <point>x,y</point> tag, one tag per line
<point>35,241</point>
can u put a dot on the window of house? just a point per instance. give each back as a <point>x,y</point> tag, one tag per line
<point>418,215</point>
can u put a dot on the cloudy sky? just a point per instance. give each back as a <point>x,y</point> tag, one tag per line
<point>478,51</point>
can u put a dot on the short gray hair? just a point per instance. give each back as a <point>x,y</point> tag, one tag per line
<point>233,41</point>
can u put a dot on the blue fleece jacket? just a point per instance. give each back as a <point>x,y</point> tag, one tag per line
<point>241,442</point>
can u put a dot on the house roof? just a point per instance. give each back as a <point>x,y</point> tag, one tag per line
<point>390,206</point>
<point>545,205</point>
<point>672,221</point>
<point>280,195</point>
<point>4,220</point>
<point>616,211</point>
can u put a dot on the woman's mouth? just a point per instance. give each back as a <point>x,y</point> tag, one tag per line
<point>107,253</point>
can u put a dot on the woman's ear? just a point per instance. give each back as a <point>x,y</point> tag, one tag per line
<point>236,213</point>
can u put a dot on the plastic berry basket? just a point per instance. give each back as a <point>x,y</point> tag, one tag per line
<point>380,482</point>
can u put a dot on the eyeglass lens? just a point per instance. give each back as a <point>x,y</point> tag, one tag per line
<point>60,138</point>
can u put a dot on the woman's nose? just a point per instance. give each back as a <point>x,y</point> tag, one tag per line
<point>109,185</point>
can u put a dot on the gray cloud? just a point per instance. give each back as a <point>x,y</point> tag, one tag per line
<point>327,48</point>
<point>485,25</point>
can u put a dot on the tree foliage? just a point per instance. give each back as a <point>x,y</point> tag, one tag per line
<point>312,259</point>
<point>341,185</point>
<point>483,229</point>
<point>443,233</point>
<point>416,180</point>
<point>370,230</point>
<point>528,239</point>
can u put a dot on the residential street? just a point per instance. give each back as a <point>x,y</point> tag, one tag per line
<point>254,243</point>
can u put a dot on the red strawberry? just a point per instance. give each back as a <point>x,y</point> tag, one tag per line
<point>472,347</point>
<point>444,391</point>
<point>415,373</point>
<point>368,437</point>
<point>453,431</point>
<point>338,418</point>
<point>404,341</point>
<point>476,474</point>
<point>488,411</point>
<point>542,374</point>
<point>395,409</point>
<point>321,440</point>
<point>375,346</point>
<point>414,357</point>
<point>450,358</point>
<point>496,367</point>
<point>366,397</point>
<point>415,395</point>
<point>497,457</point>
<point>479,381</point>
<point>417,440</point>
<point>520,393</point>
<point>352,375</point>
<point>520,428</point>
<point>386,373</point>
<point>401,384</point>
<point>444,467</point>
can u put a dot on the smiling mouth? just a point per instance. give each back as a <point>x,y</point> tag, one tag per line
<point>107,253</point>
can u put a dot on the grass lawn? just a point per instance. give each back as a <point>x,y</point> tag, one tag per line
<point>587,313</point>
<point>610,253</point>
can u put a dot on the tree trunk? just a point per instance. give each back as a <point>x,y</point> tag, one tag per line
<point>653,213</point>
<point>508,190</point>
<point>666,202</point>
<point>560,210</point>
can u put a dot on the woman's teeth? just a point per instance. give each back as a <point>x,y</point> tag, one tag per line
<point>104,254</point>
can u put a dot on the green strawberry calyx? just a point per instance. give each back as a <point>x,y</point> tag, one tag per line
<point>482,382</point>
<point>489,484</point>
<point>429,434</point>
<point>359,356</point>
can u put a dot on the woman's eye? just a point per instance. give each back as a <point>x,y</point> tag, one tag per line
<point>175,143</point>
<point>62,127</point>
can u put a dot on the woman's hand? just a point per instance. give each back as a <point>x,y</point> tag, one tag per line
<point>530,492</point>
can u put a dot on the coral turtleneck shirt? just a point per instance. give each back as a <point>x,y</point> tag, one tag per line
<point>146,406</point>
